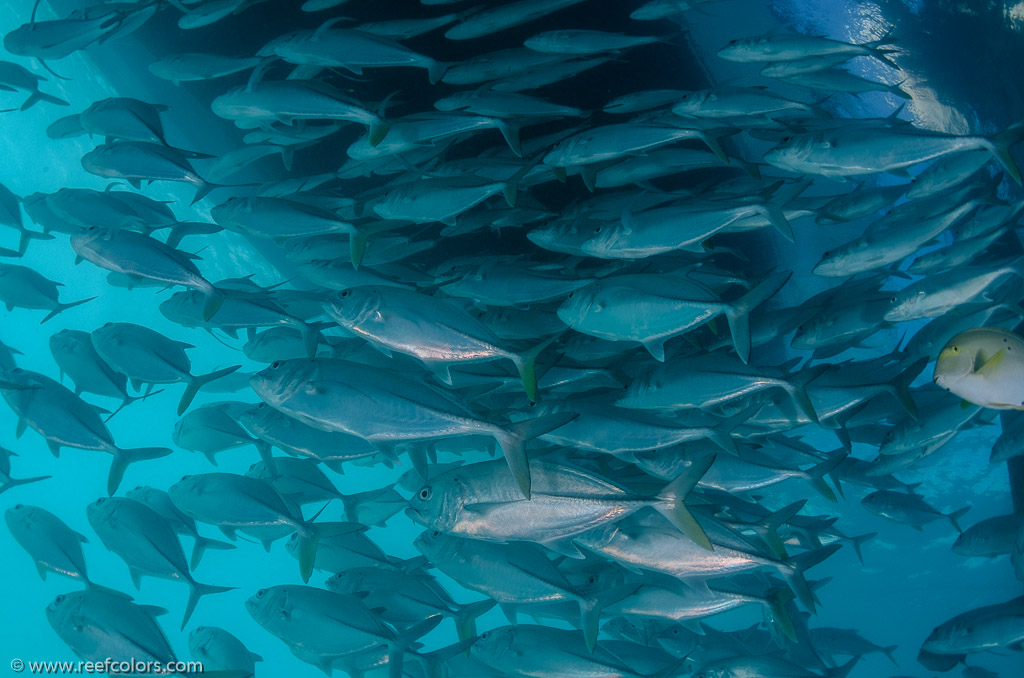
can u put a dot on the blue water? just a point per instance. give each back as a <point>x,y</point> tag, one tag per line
<point>961,77</point>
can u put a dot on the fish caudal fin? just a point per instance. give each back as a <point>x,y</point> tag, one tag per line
<point>775,604</point>
<point>201,546</point>
<point>466,615</point>
<point>512,441</point>
<point>214,300</point>
<point>15,482</point>
<point>196,383</point>
<point>401,643</point>
<point>63,307</point>
<point>956,516</point>
<point>738,313</point>
<point>793,573</point>
<point>197,591</point>
<point>671,502</point>
<point>1000,145</point>
<point>38,97</point>
<point>526,363</point>
<point>122,458</point>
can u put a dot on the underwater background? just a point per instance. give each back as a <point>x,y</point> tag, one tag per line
<point>959,63</point>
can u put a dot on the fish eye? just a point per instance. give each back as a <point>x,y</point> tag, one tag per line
<point>435,533</point>
<point>275,365</point>
<point>259,594</point>
<point>572,294</point>
<point>956,349</point>
<point>892,299</point>
<point>100,500</point>
<point>261,406</point>
<point>186,477</point>
<point>345,294</point>
<point>828,253</point>
<point>425,493</point>
<point>484,635</point>
<point>592,580</point>
<point>597,229</point>
<point>18,507</point>
<point>733,42</point>
<point>60,598</point>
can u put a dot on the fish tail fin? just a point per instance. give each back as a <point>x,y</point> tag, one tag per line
<point>777,218</point>
<point>309,539</point>
<point>196,383</point>
<point>27,236</point>
<point>798,390</point>
<point>526,363</point>
<point>889,652</point>
<point>793,573</point>
<point>511,134</point>
<point>197,591</point>
<point>816,476</point>
<point>201,546</point>
<point>214,300</point>
<point>1000,145</point>
<point>378,131</point>
<point>357,248</point>
<point>768,529</point>
<point>400,645</point>
<point>775,604</point>
<point>122,458</point>
<point>466,616</point>
<point>590,621</point>
<point>671,502</point>
<point>711,141</point>
<point>15,482</point>
<point>858,541</point>
<point>63,307</point>
<point>512,441</point>
<point>738,313</point>
<point>721,433</point>
<point>310,339</point>
<point>37,97</point>
<point>844,670</point>
<point>436,71</point>
<point>956,516</point>
<point>203,189</point>
<point>899,387</point>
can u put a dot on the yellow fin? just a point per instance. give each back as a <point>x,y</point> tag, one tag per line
<point>991,365</point>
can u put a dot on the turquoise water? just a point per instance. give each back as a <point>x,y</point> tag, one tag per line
<point>910,582</point>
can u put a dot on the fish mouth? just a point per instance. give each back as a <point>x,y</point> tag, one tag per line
<point>415,515</point>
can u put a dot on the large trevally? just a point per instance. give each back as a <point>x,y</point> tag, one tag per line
<point>388,409</point>
<point>53,545</point>
<point>160,501</point>
<point>233,502</point>
<point>851,152</point>
<point>288,100</point>
<point>479,501</point>
<point>65,420</point>
<point>23,287</point>
<point>148,357</point>
<point>191,66</point>
<point>435,330</point>
<point>350,49</point>
<point>648,309</point>
<point>138,161</point>
<point>327,626</point>
<point>141,256</point>
<point>517,576</point>
<point>100,626</point>
<point>77,359</point>
<point>147,544</point>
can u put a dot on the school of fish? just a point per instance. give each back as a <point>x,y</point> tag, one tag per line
<point>572,334</point>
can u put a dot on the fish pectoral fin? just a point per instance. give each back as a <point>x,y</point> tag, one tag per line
<point>991,366</point>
